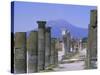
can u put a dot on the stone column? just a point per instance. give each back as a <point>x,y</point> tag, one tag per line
<point>72,44</point>
<point>64,33</point>
<point>41,45</point>
<point>20,53</point>
<point>93,24</point>
<point>32,47</point>
<point>89,46</point>
<point>92,42</point>
<point>68,42</point>
<point>80,44</point>
<point>56,52</point>
<point>76,45</point>
<point>52,55</point>
<point>47,46</point>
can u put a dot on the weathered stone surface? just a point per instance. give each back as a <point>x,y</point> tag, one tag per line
<point>47,46</point>
<point>73,44</point>
<point>32,49</point>
<point>41,45</point>
<point>68,41</point>
<point>52,55</point>
<point>65,42</point>
<point>92,41</point>
<point>20,53</point>
<point>56,52</point>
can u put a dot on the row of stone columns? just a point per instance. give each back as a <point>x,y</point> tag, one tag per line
<point>67,41</point>
<point>71,45</point>
<point>36,52</point>
<point>92,41</point>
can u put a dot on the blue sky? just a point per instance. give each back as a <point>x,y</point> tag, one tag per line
<point>27,13</point>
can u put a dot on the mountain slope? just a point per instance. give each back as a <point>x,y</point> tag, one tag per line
<point>58,25</point>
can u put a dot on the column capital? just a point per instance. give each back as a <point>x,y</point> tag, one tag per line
<point>41,24</point>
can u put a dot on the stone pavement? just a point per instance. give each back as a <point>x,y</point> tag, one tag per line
<point>75,63</point>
